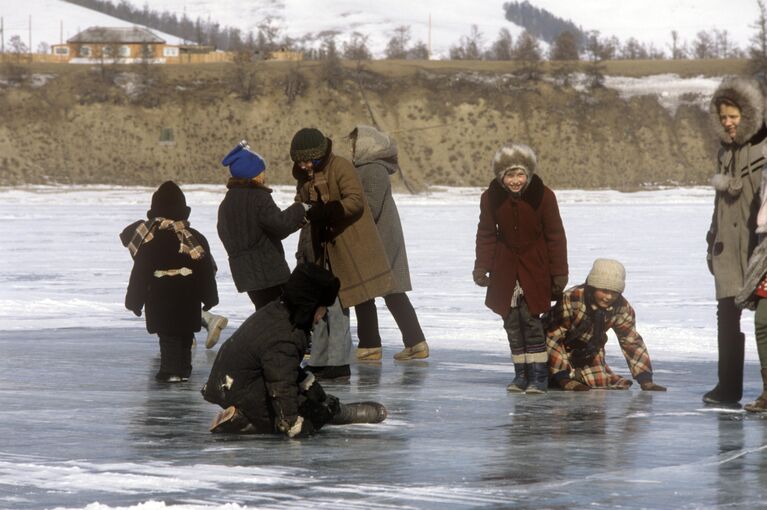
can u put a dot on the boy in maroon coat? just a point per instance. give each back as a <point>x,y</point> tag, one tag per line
<point>521,257</point>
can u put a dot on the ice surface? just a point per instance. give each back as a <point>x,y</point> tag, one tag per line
<point>85,426</point>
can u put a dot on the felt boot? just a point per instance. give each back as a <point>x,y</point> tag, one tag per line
<point>520,382</point>
<point>359,412</point>
<point>539,377</point>
<point>214,324</point>
<point>760,404</point>
<point>418,351</point>
<point>231,421</point>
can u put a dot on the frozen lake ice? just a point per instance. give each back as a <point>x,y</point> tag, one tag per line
<point>85,426</point>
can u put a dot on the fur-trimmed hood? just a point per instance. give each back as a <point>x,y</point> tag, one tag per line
<point>747,93</point>
<point>512,156</point>
<point>374,145</point>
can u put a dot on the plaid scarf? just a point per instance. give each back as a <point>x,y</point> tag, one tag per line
<point>145,230</point>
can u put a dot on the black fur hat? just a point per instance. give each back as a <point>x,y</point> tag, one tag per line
<point>169,202</point>
<point>309,287</point>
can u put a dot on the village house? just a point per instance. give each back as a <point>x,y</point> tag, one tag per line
<point>126,45</point>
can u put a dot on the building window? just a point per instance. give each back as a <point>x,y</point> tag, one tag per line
<point>85,51</point>
<point>166,136</point>
<point>61,50</point>
<point>170,52</point>
<point>106,51</point>
<point>125,51</point>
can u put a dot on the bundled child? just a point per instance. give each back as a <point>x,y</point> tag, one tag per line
<point>173,276</point>
<point>521,257</point>
<point>252,227</point>
<point>577,333</point>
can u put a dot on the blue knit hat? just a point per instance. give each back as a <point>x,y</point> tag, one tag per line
<point>243,163</point>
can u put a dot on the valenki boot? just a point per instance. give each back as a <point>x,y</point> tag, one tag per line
<point>539,377</point>
<point>760,404</point>
<point>359,412</point>
<point>521,381</point>
<point>214,324</point>
<point>418,351</point>
<point>373,354</point>
<point>231,421</point>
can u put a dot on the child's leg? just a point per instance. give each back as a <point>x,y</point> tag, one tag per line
<point>513,326</point>
<point>175,357</point>
<point>535,349</point>
<point>760,329</point>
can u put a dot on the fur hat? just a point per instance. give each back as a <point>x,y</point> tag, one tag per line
<point>513,156</point>
<point>607,274</point>
<point>243,163</point>
<point>308,144</point>
<point>169,202</point>
<point>309,287</point>
<point>747,94</point>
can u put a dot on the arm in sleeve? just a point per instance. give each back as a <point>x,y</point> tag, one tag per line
<point>352,196</point>
<point>281,224</point>
<point>554,233</point>
<point>280,366</point>
<point>376,183</point>
<point>632,345</point>
<point>207,268</point>
<point>138,284</point>
<point>561,322</point>
<point>487,236</point>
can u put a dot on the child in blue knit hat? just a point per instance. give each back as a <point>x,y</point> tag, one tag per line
<point>252,227</point>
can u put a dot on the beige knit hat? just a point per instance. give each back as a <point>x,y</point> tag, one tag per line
<point>607,274</point>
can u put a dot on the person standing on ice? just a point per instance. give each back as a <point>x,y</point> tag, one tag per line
<point>374,155</point>
<point>257,376</point>
<point>521,257</point>
<point>577,332</point>
<point>251,227</point>
<point>174,276</point>
<point>342,237</point>
<point>737,109</point>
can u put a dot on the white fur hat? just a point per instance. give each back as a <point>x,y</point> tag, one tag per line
<point>512,156</point>
<point>607,274</point>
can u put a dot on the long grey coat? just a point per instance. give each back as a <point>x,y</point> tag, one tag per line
<point>375,157</point>
<point>731,237</point>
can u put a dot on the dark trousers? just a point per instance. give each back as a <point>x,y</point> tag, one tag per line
<point>731,344</point>
<point>524,332</point>
<point>404,315</point>
<point>176,354</point>
<point>265,296</point>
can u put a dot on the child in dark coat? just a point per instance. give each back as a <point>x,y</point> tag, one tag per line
<point>257,375</point>
<point>521,259</point>
<point>252,227</point>
<point>173,276</point>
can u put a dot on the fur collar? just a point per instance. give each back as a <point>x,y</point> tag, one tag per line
<point>747,94</point>
<point>533,193</point>
<point>236,182</point>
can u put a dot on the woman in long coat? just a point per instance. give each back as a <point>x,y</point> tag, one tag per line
<point>737,111</point>
<point>340,236</point>
<point>374,154</point>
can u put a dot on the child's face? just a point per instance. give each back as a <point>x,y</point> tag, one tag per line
<point>605,298</point>
<point>729,117</point>
<point>515,180</point>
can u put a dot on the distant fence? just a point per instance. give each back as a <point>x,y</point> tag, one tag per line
<point>184,58</point>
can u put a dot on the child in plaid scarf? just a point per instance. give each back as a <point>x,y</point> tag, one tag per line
<point>173,275</point>
<point>577,332</point>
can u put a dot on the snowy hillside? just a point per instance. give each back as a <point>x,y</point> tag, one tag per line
<point>55,21</point>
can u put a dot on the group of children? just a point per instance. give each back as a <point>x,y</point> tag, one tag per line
<point>521,257</point>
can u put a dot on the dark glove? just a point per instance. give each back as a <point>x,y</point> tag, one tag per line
<point>316,212</point>
<point>710,237</point>
<point>480,277</point>
<point>651,386</point>
<point>327,213</point>
<point>558,284</point>
<point>137,312</point>
<point>571,385</point>
<point>710,263</point>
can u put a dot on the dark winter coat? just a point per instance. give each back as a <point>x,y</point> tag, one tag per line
<point>251,228</point>
<point>520,239</point>
<point>375,157</point>
<point>172,303</point>
<point>257,369</point>
<point>353,246</point>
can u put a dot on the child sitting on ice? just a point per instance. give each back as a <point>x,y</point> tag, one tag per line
<point>577,333</point>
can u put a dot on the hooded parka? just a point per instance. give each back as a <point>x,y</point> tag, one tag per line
<point>375,156</point>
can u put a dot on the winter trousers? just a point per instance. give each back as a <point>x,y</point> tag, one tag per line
<point>175,354</point>
<point>760,327</point>
<point>331,338</point>
<point>525,333</point>
<point>404,315</point>
<point>265,296</point>
<point>731,344</point>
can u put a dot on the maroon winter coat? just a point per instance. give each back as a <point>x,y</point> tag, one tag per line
<point>520,239</point>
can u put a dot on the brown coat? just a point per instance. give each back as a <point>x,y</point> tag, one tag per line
<point>352,245</point>
<point>520,239</point>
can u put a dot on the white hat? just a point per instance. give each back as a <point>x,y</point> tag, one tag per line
<point>607,274</point>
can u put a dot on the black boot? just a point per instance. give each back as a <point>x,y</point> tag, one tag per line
<point>539,377</point>
<point>520,382</point>
<point>729,390</point>
<point>359,412</point>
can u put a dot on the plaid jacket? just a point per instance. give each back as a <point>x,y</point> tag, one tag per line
<point>569,313</point>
